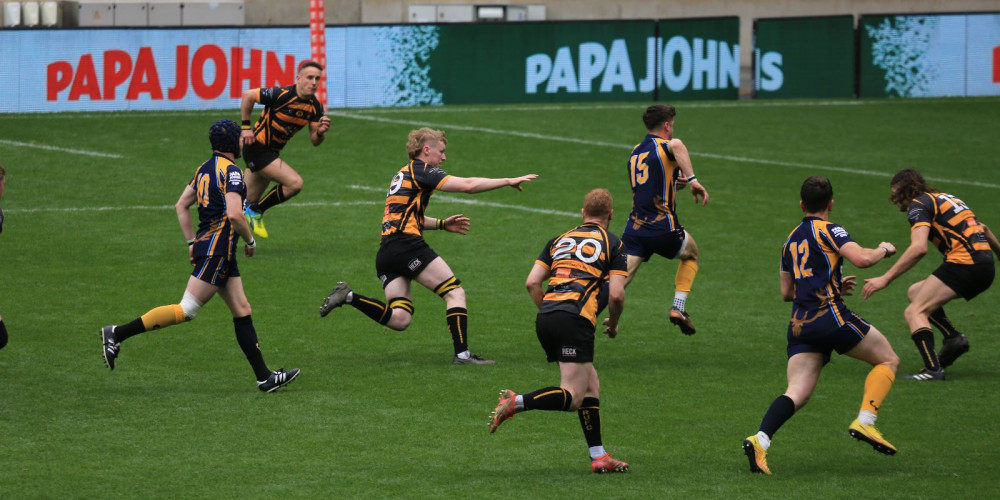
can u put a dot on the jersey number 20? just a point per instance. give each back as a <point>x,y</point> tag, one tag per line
<point>567,245</point>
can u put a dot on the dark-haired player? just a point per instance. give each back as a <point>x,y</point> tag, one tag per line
<point>286,111</point>
<point>218,189</point>
<point>967,270</point>
<point>656,167</point>
<point>404,256</point>
<point>811,278</point>
<point>575,264</point>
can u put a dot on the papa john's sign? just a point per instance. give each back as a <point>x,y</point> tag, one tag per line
<point>145,69</point>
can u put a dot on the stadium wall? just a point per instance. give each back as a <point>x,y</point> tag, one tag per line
<point>410,65</point>
<point>296,12</point>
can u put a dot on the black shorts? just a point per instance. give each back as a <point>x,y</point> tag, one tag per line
<point>967,280</point>
<point>258,156</point>
<point>667,244</point>
<point>402,257</point>
<point>566,337</point>
<point>215,270</point>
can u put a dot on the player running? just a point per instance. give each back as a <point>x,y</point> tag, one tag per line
<point>811,277</point>
<point>403,255</point>
<point>218,189</point>
<point>286,111</point>
<point>656,168</point>
<point>576,264</point>
<point>967,270</point>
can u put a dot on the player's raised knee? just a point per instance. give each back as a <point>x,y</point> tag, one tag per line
<point>401,313</point>
<point>294,185</point>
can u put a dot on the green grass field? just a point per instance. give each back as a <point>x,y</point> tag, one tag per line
<point>91,239</point>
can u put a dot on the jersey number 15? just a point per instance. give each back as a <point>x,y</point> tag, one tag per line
<point>637,169</point>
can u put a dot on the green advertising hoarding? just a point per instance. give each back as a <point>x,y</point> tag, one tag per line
<point>804,57</point>
<point>585,61</point>
<point>700,59</point>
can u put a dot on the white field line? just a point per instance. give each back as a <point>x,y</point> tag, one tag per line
<point>529,135</point>
<point>638,105</point>
<point>574,140</point>
<point>19,144</point>
<point>170,207</point>
<point>440,197</point>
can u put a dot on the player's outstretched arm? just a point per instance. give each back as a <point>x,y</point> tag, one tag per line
<point>474,185</point>
<point>457,223</point>
<point>866,257</point>
<point>910,257</point>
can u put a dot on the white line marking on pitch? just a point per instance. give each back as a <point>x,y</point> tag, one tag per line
<point>441,198</point>
<point>20,144</point>
<point>574,140</point>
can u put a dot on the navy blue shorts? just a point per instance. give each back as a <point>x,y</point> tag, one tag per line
<point>566,337</point>
<point>825,333</point>
<point>215,270</point>
<point>666,244</point>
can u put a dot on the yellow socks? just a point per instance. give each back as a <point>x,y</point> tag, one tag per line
<point>877,386</point>
<point>163,316</point>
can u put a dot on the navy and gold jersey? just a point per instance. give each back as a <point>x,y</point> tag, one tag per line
<point>284,114</point>
<point>955,231</point>
<point>579,261</point>
<point>812,256</point>
<point>409,193</point>
<point>216,235</point>
<point>652,171</point>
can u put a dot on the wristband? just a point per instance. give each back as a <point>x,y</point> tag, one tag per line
<point>440,223</point>
<point>691,179</point>
<point>252,243</point>
<point>190,242</point>
<point>886,252</point>
<point>245,125</point>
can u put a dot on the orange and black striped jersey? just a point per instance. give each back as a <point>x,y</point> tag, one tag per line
<point>216,235</point>
<point>653,171</point>
<point>579,261</point>
<point>955,231</point>
<point>284,114</point>
<point>409,193</point>
<point>811,254</point>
